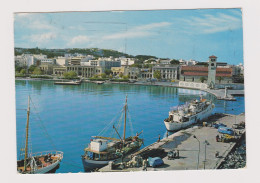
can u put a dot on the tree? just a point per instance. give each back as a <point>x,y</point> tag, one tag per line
<point>136,65</point>
<point>95,76</point>
<point>108,71</point>
<point>202,79</point>
<point>23,71</point>
<point>157,75</point>
<point>37,71</point>
<point>31,68</point>
<point>219,79</point>
<point>103,75</point>
<point>70,75</point>
<point>18,68</point>
<point>126,77</point>
<point>175,62</point>
<point>121,75</point>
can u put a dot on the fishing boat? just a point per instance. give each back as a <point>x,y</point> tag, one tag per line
<point>102,150</point>
<point>185,115</point>
<point>40,162</point>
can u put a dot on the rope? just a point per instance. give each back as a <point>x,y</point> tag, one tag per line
<point>108,125</point>
<point>42,126</point>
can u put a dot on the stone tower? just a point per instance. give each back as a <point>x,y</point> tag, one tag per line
<point>212,71</point>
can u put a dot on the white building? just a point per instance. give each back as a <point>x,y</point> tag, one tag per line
<point>62,61</point>
<point>47,61</point>
<point>24,60</point>
<point>85,61</point>
<point>106,63</point>
<point>188,62</point>
<point>165,61</point>
<point>168,72</point>
<point>126,61</point>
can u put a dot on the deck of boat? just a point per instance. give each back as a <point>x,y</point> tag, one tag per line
<point>43,163</point>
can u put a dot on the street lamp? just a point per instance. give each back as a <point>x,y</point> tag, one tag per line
<point>206,143</point>
<point>198,152</point>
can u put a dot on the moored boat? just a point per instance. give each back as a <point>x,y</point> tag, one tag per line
<point>68,82</point>
<point>102,150</point>
<point>37,163</point>
<point>183,116</point>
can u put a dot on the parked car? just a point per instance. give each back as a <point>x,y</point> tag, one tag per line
<point>155,162</point>
<point>225,130</point>
<point>217,125</point>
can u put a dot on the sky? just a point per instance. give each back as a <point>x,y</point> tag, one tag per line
<point>175,34</point>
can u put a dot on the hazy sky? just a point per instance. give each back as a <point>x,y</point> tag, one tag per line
<point>187,34</point>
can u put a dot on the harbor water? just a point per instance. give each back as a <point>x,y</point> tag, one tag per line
<point>65,117</point>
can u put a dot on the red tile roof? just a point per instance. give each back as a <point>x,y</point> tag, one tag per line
<point>194,68</point>
<point>212,56</point>
<point>195,73</point>
<point>203,71</point>
<point>223,74</point>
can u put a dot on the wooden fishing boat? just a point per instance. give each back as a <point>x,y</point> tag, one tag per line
<point>102,150</point>
<point>40,162</point>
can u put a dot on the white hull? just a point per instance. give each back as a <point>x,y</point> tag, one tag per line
<point>47,169</point>
<point>174,126</point>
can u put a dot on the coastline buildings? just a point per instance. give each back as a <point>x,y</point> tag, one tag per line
<point>210,72</point>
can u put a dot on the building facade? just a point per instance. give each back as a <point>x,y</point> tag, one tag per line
<point>168,72</point>
<point>146,73</point>
<point>81,71</point>
<point>210,75</point>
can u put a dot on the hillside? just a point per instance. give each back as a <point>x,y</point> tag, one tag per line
<point>96,52</point>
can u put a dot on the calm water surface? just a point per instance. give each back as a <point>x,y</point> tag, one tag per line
<point>65,117</point>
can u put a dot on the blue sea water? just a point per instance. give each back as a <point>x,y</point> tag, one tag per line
<point>65,117</point>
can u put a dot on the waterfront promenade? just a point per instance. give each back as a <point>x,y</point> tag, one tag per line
<point>219,93</point>
<point>192,151</point>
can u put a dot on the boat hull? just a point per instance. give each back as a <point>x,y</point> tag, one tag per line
<point>90,165</point>
<point>175,126</point>
<point>49,169</point>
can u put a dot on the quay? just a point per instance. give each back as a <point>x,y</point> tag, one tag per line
<point>197,147</point>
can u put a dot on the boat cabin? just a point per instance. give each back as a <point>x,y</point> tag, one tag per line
<point>98,145</point>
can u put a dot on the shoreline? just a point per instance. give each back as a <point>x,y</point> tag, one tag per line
<point>218,93</point>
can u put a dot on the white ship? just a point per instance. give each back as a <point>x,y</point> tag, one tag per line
<point>188,114</point>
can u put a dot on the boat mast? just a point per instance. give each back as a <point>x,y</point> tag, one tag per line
<point>27,130</point>
<point>125,119</point>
